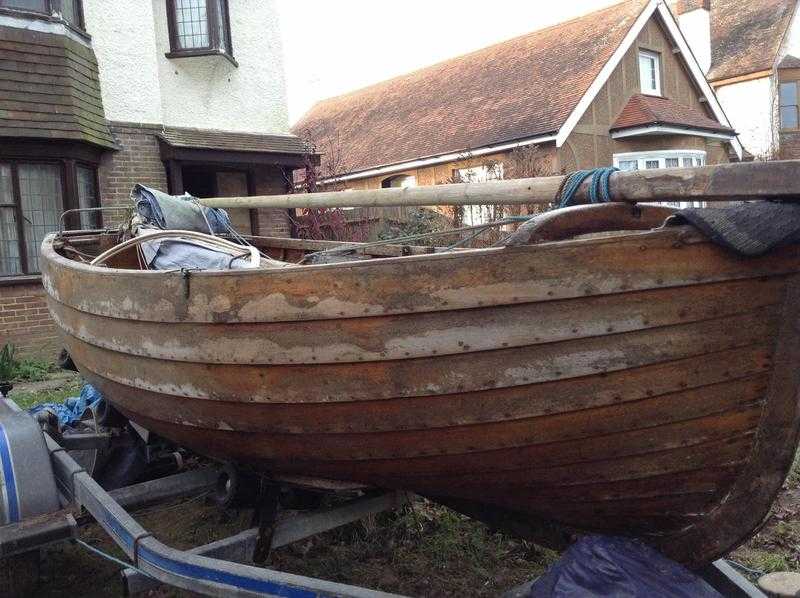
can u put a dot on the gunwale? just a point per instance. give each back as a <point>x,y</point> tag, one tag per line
<point>291,294</point>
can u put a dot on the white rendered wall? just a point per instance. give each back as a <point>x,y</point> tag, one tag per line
<point>696,28</point>
<point>209,92</point>
<point>749,106</point>
<point>124,43</point>
<point>791,45</point>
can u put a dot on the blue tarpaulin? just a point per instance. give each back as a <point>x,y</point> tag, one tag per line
<point>73,408</point>
<point>613,567</point>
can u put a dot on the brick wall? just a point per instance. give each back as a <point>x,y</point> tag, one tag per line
<point>25,321</point>
<point>789,145</point>
<point>138,161</point>
<point>272,222</point>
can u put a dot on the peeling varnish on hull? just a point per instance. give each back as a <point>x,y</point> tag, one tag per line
<point>453,374</point>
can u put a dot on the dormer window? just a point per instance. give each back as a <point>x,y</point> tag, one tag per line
<point>650,72</point>
<point>199,28</point>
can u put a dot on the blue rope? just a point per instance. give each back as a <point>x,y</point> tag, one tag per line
<point>599,191</point>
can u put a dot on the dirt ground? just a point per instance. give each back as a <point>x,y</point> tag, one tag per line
<point>421,550</point>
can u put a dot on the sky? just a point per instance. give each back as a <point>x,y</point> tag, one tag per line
<point>335,46</point>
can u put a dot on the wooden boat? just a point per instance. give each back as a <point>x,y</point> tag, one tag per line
<point>640,382</point>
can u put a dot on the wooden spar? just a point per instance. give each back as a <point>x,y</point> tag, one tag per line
<point>723,182</point>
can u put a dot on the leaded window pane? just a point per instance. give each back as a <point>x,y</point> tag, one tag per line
<point>191,21</point>
<point>10,262</point>
<point>87,196</point>
<point>9,243</point>
<point>34,5</point>
<point>41,198</point>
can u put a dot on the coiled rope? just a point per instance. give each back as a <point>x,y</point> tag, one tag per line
<point>599,191</point>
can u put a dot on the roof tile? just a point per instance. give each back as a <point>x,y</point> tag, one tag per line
<point>231,141</point>
<point>644,110</point>
<point>746,35</point>
<point>523,87</point>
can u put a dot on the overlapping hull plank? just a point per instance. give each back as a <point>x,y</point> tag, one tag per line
<point>642,383</point>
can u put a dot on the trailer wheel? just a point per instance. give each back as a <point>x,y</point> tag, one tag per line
<point>19,575</point>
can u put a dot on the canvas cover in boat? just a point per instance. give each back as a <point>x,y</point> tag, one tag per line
<point>174,254</point>
<point>748,228</point>
<point>178,212</point>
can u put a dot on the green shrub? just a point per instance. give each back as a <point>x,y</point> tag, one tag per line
<point>7,362</point>
<point>31,370</point>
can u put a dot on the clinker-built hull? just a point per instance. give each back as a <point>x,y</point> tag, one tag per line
<point>639,383</point>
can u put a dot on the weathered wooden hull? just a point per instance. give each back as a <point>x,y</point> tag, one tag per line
<point>643,383</point>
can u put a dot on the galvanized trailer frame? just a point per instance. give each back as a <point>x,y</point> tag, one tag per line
<point>217,568</point>
<point>200,570</point>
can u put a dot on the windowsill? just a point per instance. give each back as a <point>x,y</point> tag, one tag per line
<point>40,16</point>
<point>7,281</point>
<point>653,94</point>
<point>204,52</point>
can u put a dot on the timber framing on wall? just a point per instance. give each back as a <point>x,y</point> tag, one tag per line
<point>696,73</point>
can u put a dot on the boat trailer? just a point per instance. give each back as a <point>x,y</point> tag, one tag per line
<point>46,496</point>
<point>44,492</point>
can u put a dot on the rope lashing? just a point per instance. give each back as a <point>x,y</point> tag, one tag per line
<point>599,191</point>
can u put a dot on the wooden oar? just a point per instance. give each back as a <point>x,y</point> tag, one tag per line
<point>723,182</point>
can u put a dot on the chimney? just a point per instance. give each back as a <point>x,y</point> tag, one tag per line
<point>694,18</point>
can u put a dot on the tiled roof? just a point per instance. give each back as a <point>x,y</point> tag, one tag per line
<point>49,89</point>
<point>524,87</point>
<point>789,62</point>
<point>644,110</point>
<point>746,35</point>
<point>230,141</point>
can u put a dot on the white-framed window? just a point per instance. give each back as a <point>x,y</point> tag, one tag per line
<point>663,159</point>
<point>660,159</point>
<point>650,72</point>
<point>474,215</point>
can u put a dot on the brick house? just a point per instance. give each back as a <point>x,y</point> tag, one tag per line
<point>619,86</point>
<point>750,52</point>
<point>96,95</point>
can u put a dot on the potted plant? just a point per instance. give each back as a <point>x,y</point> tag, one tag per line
<point>7,368</point>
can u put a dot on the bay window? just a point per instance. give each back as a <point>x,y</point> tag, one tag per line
<point>70,11</point>
<point>198,28</point>
<point>33,195</point>
<point>662,159</point>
